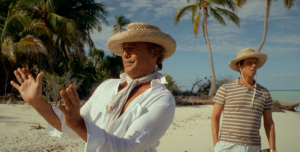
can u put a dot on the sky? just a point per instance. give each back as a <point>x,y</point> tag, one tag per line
<point>191,58</point>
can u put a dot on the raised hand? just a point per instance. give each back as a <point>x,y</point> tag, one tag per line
<point>29,88</point>
<point>71,110</point>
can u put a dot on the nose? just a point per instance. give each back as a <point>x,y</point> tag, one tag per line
<point>126,53</point>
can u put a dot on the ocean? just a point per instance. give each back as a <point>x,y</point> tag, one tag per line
<point>286,96</point>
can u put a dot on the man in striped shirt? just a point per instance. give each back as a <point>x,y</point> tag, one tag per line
<point>243,103</point>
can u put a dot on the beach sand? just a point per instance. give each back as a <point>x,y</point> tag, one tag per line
<point>190,131</point>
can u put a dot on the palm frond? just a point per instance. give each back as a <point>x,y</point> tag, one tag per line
<point>15,23</point>
<point>62,24</point>
<point>92,8</point>
<point>121,21</point>
<point>240,3</point>
<point>289,3</point>
<point>194,11</point>
<point>216,15</point>
<point>7,48</point>
<point>231,16</point>
<point>180,12</point>
<point>225,3</point>
<point>85,20</point>
<point>53,5</point>
<point>37,29</point>
<point>31,44</point>
<point>196,24</point>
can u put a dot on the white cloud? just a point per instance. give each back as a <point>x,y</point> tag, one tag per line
<point>100,39</point>
<point>111,8</point>
<point>135,5</point>
<point>285,38</point>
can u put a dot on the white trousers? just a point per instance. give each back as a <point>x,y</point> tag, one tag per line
<point>223,146</point>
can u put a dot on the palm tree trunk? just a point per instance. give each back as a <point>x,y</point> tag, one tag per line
<point>29,66</point>
<point>55,52</point>
<point>267,10</point>
<point>6,76</point>
<point>64,59</point>
<point>213,87</point>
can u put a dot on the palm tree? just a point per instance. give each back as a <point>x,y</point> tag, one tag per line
<point>96,54</point>
<point>121,21</point>
<point>287,3</point>
<point>70,21</point>
<point>19,28</point>
<point>208,8</point>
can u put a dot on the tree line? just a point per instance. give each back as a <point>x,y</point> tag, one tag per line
<point>54,35</point>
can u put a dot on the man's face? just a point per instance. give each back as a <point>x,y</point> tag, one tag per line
<point>249,67</point>
<point>137,60</point>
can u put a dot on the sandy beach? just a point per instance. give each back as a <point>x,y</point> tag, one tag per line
<point>189,132</point>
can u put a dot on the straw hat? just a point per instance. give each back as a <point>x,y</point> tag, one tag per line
<point>142,32</point>
<point>248,53</point>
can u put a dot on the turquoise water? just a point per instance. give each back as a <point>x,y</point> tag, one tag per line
<point>286,96</point>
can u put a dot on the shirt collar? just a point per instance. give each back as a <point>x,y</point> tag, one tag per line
<point>237,82</point>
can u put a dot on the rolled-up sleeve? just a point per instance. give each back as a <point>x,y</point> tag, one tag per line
<point>140,135</point>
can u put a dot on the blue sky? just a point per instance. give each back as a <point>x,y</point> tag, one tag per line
<point>191,59</point>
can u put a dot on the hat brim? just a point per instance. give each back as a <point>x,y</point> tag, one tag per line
<point>262,58</point>
<point>114,44</point>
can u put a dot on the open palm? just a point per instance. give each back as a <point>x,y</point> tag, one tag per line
<point>30,89</point>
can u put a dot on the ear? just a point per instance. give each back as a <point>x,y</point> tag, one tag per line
<point>154,54</point>
<point>239,67</point>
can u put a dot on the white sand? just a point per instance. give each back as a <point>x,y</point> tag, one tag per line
<point>189,132</point>
<point>16,134</point>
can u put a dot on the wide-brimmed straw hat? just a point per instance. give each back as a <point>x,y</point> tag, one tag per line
<point>142,32</point>
<point>245,54</point>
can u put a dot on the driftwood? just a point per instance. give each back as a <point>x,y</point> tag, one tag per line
<point>37,127</point>
<point>193,100</point>
<point>285,106</point>
<point>205,100</point>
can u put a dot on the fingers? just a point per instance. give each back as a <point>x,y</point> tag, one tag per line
<point>15,85</point>
<point>28,74</point>
<point>25,71</point>
<point>18,76</point>
<point>24,77</point>
<point>62,108</point>
<point>75,93</point>
<point>66,100</point>
<point>39,78</point>
<point>71,96</point>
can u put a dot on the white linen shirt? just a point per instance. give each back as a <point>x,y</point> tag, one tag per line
<point>138,129</point>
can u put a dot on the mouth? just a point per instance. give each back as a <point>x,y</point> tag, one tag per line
<point>253,70</point>
<point>128,62</point>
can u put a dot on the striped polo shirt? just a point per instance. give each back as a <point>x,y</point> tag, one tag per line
<point>241,121</point>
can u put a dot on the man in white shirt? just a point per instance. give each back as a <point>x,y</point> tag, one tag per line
<point>127,114</point>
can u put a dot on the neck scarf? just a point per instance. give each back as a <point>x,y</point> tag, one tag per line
<point>115,106</point>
